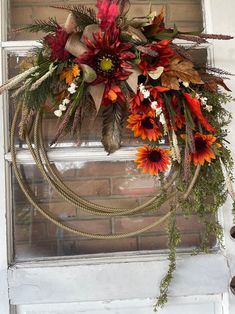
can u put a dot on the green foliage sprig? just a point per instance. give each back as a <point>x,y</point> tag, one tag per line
<point>42,26</point>
<point>173,242</point>
<point>84,15</point>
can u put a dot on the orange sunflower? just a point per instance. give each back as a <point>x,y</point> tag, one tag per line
<point>203,150</point>
<point>153,160</point>
<point>144,125</point>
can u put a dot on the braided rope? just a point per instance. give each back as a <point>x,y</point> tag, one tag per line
<point>78,201</point>
<point>59,188</point>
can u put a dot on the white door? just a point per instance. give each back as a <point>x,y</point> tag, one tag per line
<point>117,283</point>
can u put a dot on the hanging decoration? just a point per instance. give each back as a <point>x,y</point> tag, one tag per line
<point>136,71</point>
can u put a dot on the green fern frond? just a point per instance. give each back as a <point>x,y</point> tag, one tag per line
<point>41,26</point>
<point>84,15</point>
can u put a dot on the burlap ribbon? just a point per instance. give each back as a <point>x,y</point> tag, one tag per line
<point>75,45</point>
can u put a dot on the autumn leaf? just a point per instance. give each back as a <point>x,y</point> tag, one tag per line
<point>194,105</point>
<point>182,69</point>
<point>159,19</point>
<point>212,83</point>
<point>68,74</point>
<point>157,24</point>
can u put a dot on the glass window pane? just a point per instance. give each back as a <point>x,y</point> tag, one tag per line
<point>107,183</point>
<point>114,184</point>
<point>187,14</point>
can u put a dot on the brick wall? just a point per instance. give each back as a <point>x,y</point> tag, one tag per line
<point>107,183</point>
<point>116,184</point>
<point>185,13</point>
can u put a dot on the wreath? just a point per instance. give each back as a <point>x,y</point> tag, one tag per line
<point>137,72</point>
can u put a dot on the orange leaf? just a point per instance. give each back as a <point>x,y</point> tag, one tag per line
<point>68,74</point>
<point>76,70</point>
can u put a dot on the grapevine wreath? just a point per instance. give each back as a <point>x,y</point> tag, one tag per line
<point>136,71</point>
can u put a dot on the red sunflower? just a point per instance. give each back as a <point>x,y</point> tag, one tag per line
<point>162,58</point>
<point>144,125</point>
<point>203,151</point>
<point>109,57</point>
<point>57,44</point>
<point>153,160</point>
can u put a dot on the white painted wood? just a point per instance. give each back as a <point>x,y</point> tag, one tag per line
<point>4,298</point>
<point>185,305</point>
<point>78,154</point>
<point>20,45</point>
<point>220,19</point>
<point>79,282</point>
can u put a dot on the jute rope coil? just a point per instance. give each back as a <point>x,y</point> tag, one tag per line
<point>50,173</point>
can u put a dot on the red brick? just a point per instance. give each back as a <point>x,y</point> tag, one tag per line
<point>111,202</point>
<point>44,13</point>
<point>134,186</point>
<point>187,26</point>
<point>28,250</point>
<point>61,209</point>
<point>160,242</point>
<point>142,9</point>
<point>102,226</point>
<point>159,210</point>
<point>103,169</point>
<point>129,224</point>
<point>189,240</point>
<point>22,16</point>
<point>157,242</point>
<point>189,224</point>
<point>81,187</point>
<point>90,187</point>
<point>185,12</point>
<point>105,246</point>
<point>34,232</point>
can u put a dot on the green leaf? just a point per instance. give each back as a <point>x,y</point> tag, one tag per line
<point>84,15</point>
<point>167,34</point>
<point>42,26</point>
<point>169,108</point>
<point>188,117</point>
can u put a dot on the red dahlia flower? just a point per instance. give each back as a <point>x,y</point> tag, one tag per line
<point>164,53</point>
<point>153,160</point>
<point>57,44</point>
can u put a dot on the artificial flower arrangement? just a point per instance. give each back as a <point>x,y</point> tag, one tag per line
<point>135,71</point>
